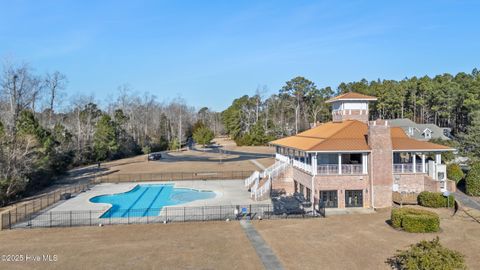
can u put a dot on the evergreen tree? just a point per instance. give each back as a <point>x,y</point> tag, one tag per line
<point>203,135</point>
<point>471,139</point>
<point>105,143</point>
<point>472,181</point>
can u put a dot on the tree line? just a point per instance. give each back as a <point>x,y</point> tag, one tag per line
<point>445,100</point>
<point>39,141</point>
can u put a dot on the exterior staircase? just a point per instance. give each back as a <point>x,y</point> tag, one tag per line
<point>260,184</point>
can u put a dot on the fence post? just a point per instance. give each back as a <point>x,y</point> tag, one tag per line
<point>250,211</point>
<point>90,217</point>
<point>70,218</point>
<point>128,216</point>
<point>166,214</point>
<point>183,214</point>
<point>221,217</point>
<point>203,213</point>
<point>10,219</point>
<point>50,219</point>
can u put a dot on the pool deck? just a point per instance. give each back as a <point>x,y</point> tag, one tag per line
<point>228,193</point>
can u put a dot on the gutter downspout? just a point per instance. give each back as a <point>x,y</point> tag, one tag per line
<point>313,195</point>
<point>371,181</point>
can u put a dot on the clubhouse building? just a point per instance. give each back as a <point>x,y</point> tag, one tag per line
<point>354,162</point>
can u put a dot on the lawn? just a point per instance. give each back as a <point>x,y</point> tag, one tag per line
<point>212,245</point>
<point>337,242</point>
<point>361,241</point>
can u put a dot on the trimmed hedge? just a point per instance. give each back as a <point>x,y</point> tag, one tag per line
<point>472,181</point>
<point>435,199</point>
<point>415,220</point>
<point>454,172</point>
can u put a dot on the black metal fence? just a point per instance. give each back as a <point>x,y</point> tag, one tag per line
<point>164,215</point>
<point>173,176</point>
<point>24,210</point>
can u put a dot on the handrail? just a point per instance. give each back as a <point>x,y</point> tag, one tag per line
<point>407,168</point>
<point>255,176</point>
<point>271,172</point>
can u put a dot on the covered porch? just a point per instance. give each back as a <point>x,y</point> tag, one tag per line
<point>325,163</point>
<point>413,161</point>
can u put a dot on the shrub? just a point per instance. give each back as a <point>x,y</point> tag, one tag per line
<point>454,172</point>
<point>427,255</point>
<point>421,223</point>
<point>415,220</point>
<point>435,199</point>
<point>472,181</point>
<point>146,149</point>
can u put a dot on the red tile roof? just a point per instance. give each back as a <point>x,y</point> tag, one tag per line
<point>350,135</point>
<point>351,96</point>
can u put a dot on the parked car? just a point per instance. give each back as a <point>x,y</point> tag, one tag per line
<point>154,156</point>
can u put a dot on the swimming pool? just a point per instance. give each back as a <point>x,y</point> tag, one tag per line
<point>148,200</point>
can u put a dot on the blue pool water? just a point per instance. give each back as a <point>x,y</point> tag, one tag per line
<point>148,200</point>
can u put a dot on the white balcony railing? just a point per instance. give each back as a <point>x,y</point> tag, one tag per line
<point>303,166</point>
<point>407,168</point>
<point>352,169</point>
<point>327,169</point>
<point>282,158</point>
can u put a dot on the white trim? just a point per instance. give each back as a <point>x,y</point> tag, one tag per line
<point>424,150</point>
<point>350,99</point>
<point>343,151</point>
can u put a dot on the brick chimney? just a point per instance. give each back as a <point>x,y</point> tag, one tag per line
<point>380,141</point>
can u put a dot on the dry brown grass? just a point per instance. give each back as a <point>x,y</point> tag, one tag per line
<point>337,242</point>
<point>195,161</point>
<point>360,241</point>
<point>212,245</point>
<point>180,162</point>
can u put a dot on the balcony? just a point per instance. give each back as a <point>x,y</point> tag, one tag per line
<point>332,169</point>
<point>303,166</point>
<point>327,169</point>
<point>282,158</point>
<point>407,168</point>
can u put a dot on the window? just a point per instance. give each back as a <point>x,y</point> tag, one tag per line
<point>295,186</point>
<point>427,133</point>
<point>301,188</point>
<point>353,198</point>
<point>329,198</point>
<point>309,193</point>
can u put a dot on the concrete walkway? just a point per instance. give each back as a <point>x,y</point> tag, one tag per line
<point>258,164</point>
<point>466,200</point>
<point>264,252</point>
<point>470,206</point>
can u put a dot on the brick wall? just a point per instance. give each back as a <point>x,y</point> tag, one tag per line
<point>336,182</point>
<point>410,182</point>
<point>360,115</point>
<point>284,181</point>
<point>380,142</point>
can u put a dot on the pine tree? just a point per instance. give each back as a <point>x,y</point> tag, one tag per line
<point>471,139</point>
<point>105,143</point>
<point>203,135</point>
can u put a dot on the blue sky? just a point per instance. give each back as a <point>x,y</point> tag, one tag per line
<point>210,52</point>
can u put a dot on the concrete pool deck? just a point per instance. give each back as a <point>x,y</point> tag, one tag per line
<point>227,193</point>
